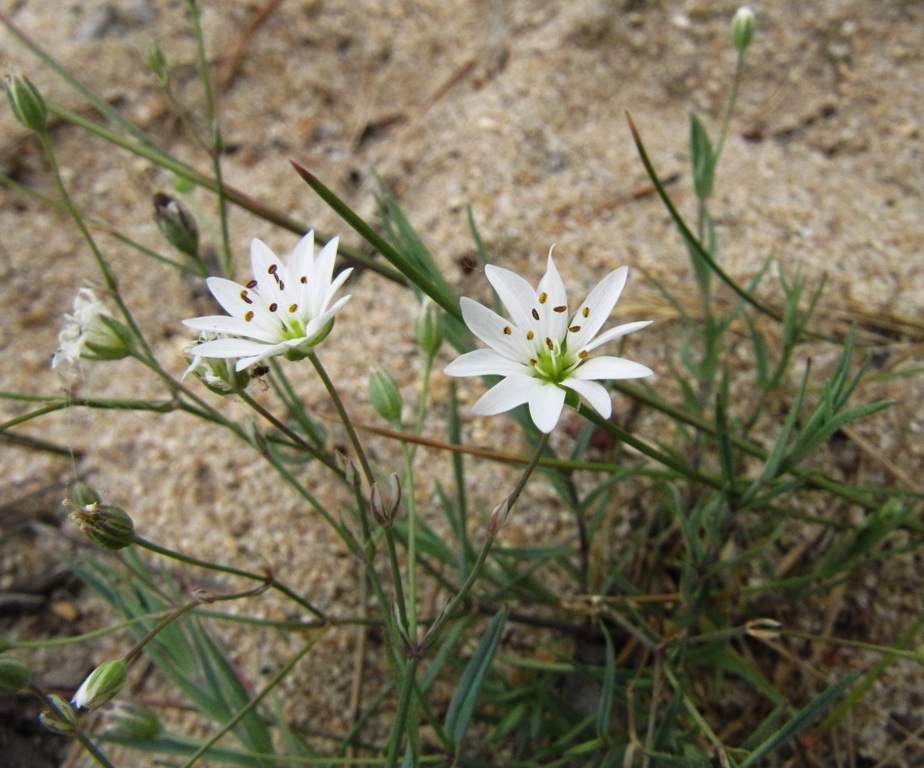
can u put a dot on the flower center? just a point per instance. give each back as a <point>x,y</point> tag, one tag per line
<point>552,362</point>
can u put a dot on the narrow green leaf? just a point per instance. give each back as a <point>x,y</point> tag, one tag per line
<point>801,720</point>
<point>703,158</point>
<point>607,689</point>
<point>463,701</point>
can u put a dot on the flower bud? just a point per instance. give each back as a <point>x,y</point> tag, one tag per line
<point>498,517</point>
<point>135,721</point>
<point>385,396</point>
<point>156,63</point>
<point>14,675</point>
<point>742,28</point>
<point>384,510</point>
<point>107,525</point>
<point>176,224</point>
<point>763,629</point>
<point>428,328</point>
<point>27,103</point>
<point>102,685</point>
<point>60,716</point>
<point>91,333</point>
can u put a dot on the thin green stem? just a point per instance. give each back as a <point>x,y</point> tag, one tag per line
<point>326,460</point>
<point>242,712</point>
<point>344,416</point>
<point>493,529</point>
<point>405,696</point>
<point>214,142</point>
<point>262,577</point>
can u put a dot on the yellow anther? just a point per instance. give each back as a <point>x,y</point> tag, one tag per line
<point>543,297</point>
<point>530,335</point>
<point>507,330</point>
<point>585,311</point>
<point>248,317</point>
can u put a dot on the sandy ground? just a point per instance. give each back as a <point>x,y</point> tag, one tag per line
<point>516,109</point>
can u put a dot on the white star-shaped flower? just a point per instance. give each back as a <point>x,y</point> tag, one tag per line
<point>284,310</point>
<point>543,350</point>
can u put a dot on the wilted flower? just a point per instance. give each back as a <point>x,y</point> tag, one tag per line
<point>284,310</point>
<point>543,351</point>
<point>217,373</point>
<point>91,333</point>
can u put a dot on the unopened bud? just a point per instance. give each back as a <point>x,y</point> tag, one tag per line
<point>763,629</point>
<point>135,721</point>
<point>14,675</point>
<point>499,517</point>
<point>428,328</point>
<point>27,103</point>
<point>102,685</point>
<point>176,224</point>
<point>385,396</point>
<point>203,595</point>
<point>742,28</point>
<point>156,63</point>
<point>60,716</point>
<point>385,510</point>
<point>105,524</point>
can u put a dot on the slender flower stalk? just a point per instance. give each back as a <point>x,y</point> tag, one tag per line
<point>285,310</point>
<point>543,350</point>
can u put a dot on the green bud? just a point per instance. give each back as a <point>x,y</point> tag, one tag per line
<point>14,675</point>
<point>27,103</point>
<point>742,28</point>
<point>386,399</point>
<point>107,525</point>
<point>102,685</point>
<point>176,224</point>
<point>156,63</point>
<point>60,716</point>
<point>135,721</point>
<point>429,328</point>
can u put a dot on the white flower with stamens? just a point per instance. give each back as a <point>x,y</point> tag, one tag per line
<point>91,333</point>
<point>284,310</point>
<point>543,350</point>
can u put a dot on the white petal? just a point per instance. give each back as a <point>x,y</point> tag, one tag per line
<point>615,333</point>
<point>518,296</point>
<point>231,348</point>
<point>231,297</point>
<point>553,324</point>
<point>264,264</point>
<point>545,404</point>
<point>489,326</point>
<point>230,325</point>
<point>484,362</point>
<point>319,282</point>
<point>506,394</point>
<point>598,305</point>
<point>600,368</point>
<point>594,393</point>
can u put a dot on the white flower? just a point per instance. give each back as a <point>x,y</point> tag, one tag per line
<point>543,351</point>
<point>91,333</point>
<point>283,310</point>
